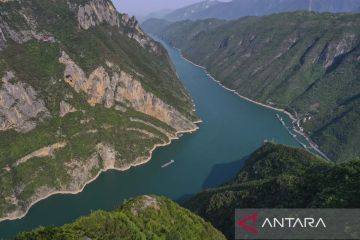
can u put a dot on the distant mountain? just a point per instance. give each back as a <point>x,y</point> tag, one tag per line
<point>240,8</point>
<point>157,14</point>
<point>305,62</point>
<point>191,11</point>
<point>145,217</point>
<point>277,176</point>
<point>155,25</point>
<point>159,26</point>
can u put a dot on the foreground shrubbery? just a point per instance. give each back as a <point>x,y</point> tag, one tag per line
<point>141,218</point>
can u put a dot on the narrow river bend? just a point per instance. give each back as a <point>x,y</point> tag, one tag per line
<point>232,129</point>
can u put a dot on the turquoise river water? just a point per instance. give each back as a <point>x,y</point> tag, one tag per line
<point>232,129</point>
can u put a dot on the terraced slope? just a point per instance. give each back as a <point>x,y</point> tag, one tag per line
<point>82,90</point>
<point>306,63</point>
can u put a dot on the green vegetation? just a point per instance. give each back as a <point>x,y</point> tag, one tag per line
<point>140,218</point>
<point>307,63</point>
<point>277,176</point>
<point>36,63</point>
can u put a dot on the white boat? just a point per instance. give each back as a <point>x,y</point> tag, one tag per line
<point>168,164</point>
<point>281,120</point>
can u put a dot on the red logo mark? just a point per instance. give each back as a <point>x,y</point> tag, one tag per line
<point>252,218</point>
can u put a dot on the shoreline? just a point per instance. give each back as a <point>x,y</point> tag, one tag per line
<point>123,169</point>
<point>294,119</point>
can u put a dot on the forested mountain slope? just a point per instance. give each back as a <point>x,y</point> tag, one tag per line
<point>277,176</point>
<point>145,217</point>
<point>306,63</point>
<point>82,90</point>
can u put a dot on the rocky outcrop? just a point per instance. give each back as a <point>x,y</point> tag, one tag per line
<point>20,108</point>
<point>66,108</point>
<point>81,171</point>
<point>121,87</point>
<point>334,49</point>
<point>96,12</point>
<point>22,33</point>
<point>133,30</point>
<point>108,155</point>
<point>144,203</point>
<point>131,91</point>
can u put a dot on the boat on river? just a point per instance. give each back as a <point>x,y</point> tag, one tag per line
<point>281,120</point>
<point>168,164</point>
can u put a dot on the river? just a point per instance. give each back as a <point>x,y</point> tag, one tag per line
<point>232,129</point>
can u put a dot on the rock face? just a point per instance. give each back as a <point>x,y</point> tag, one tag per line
<point>337,49</point>
<point>22,32</point>
<point>20,108</point>
<point>97,12</point>
<point>121,87</point>
<point>122,113</point>
<point>66,108</point>
<point>133,30</point>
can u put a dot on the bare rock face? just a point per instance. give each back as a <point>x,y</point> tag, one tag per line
<point>121,87</point>
<point>144,203</point>
<point>66,108</point>
<point>131,91</point>
<point>96,12</point>
<point>134,31</point>
<point>20,108</point>
<point>337,49</point>
<point>108,155</point>
<point>22,33</point>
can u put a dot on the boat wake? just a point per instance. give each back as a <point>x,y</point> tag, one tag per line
<point>168,164</point>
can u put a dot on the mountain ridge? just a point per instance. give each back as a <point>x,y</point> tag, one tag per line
<point>83,90</point>
<point>288,61</point>
<point>242,8</point>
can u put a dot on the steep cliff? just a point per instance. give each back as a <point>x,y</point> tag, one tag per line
<point>83,89</point>
<point>306,63</point>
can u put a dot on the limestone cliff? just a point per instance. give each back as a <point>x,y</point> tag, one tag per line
<point>97,12</point>
<point>133,30</point>
<point>21,31</point>
<point>20,108</point>
<point>63,119</point>
<point>121,87</point>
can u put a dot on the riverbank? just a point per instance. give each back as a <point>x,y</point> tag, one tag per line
<point>292,117</point>
<point>177,135</point>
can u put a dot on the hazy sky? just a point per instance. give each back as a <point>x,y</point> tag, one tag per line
<point>143,7</point>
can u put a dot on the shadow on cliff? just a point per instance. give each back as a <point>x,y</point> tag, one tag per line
<point>219,175</point>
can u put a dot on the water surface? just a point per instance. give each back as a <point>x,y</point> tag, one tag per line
<point>232,129</point>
